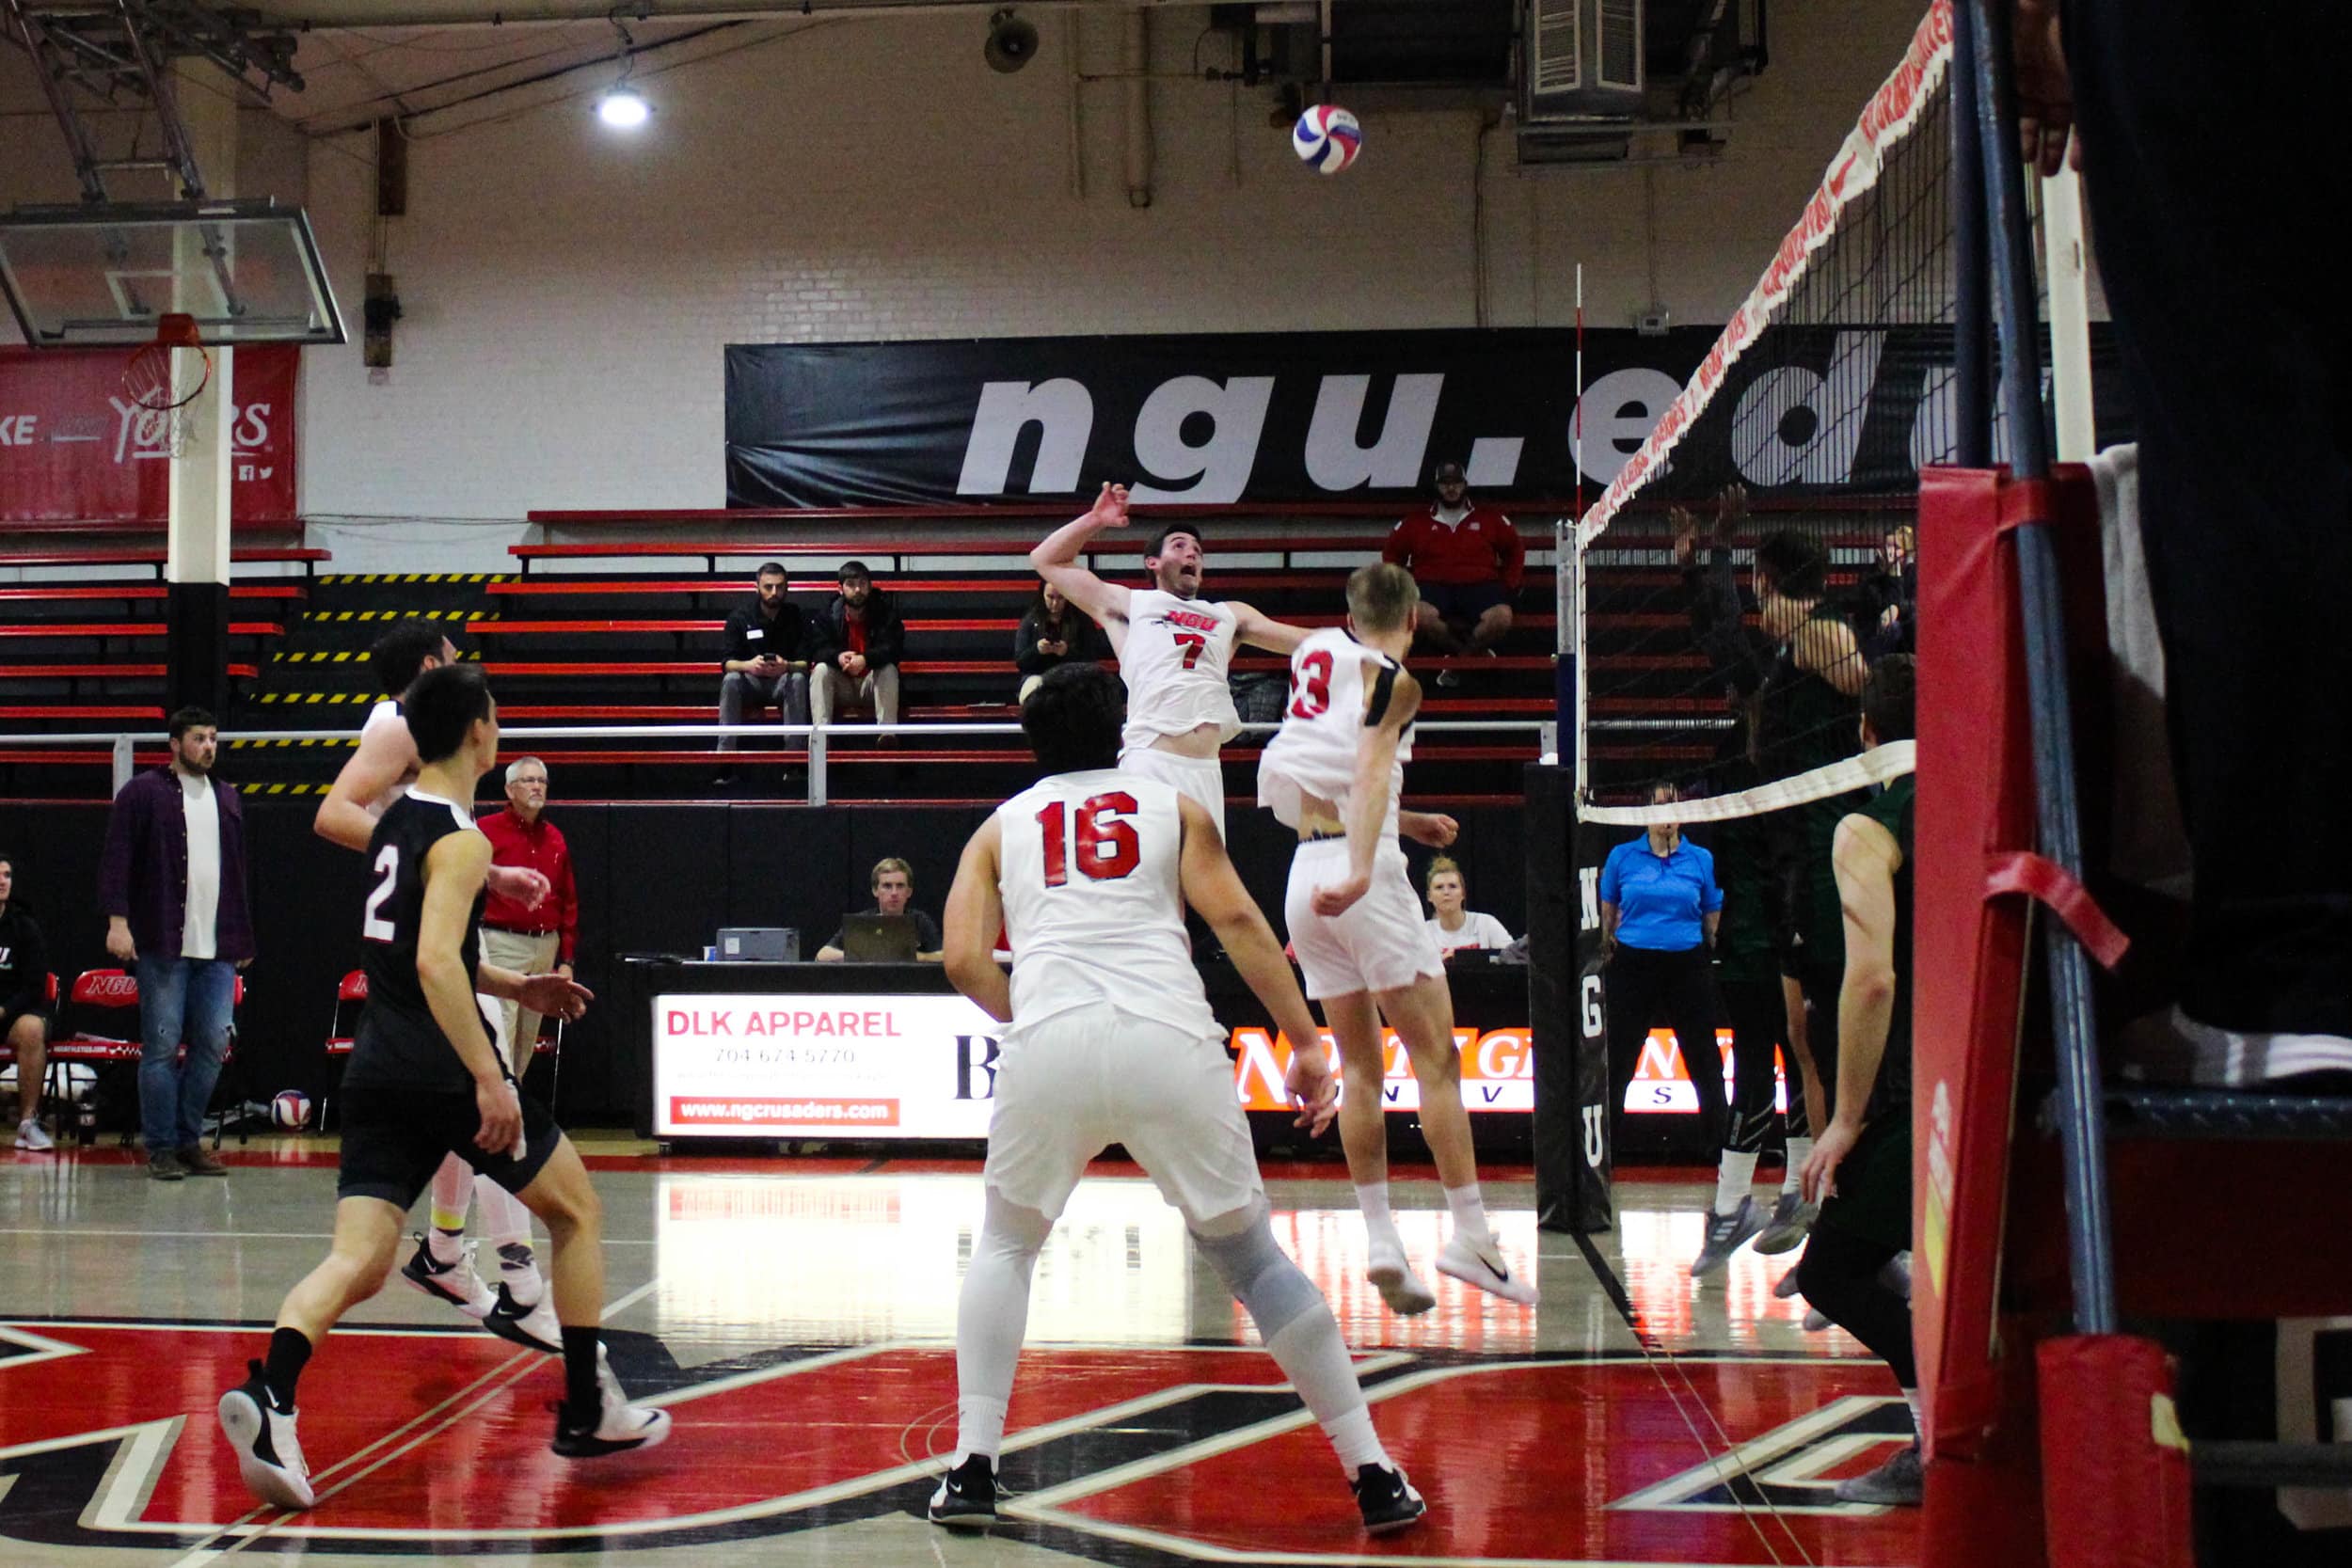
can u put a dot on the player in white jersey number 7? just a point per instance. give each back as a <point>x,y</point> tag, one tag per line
<point>1334,773</point>
<point>1175,648</point>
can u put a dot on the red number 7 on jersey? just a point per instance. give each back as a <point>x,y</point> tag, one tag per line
<point>1193,645</point>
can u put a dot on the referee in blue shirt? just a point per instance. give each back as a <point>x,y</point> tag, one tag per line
<point>1658,910</point>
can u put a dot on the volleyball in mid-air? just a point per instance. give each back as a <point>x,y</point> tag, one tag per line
<point>1327,138</point>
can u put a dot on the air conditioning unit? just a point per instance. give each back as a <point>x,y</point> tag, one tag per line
<point>1580,57</point>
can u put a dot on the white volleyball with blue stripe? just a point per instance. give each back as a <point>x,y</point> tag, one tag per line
<point>1327,138</point>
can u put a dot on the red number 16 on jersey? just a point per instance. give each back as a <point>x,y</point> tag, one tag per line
<point>1107,848</point>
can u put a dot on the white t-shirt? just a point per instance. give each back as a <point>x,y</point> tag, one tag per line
<point>1334,685</point>
<point>1095,901</point>
<point>387,712</point>
<point>1478,930</point>
<point>1175,655</point>
<point>197,937</point>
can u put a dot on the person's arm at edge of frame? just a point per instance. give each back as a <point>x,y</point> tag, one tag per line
<point>975,912</point>
<point>1864,857</point>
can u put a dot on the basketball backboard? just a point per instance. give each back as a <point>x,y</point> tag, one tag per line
<point>95,276</point>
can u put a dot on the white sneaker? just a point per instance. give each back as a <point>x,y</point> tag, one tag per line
<point>620,1426</point>
<point>533,1327</point>
<point>1480,1263</point>
<point>31,1138</point>
<point>1399,1286</point>
<point>269,1456</point>
<point>456,1283</point>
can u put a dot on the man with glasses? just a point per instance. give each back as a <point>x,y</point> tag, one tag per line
<point>542,938</point>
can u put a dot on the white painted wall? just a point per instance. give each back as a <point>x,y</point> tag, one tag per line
<point>568,291</point>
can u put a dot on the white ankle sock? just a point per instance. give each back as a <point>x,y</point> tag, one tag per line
<point>1469,1212</point>
<point>1379,1223</point>
<point>979,1427</point>
<point>1733,1178</point>
<point>1911,1398</point>
<point>1800,1151</point>
<point>1355,1442</point>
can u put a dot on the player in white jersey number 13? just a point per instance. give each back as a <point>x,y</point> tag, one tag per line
<point>1111,1040</point>
<point>1334,772</point>
<point>1175,648</point>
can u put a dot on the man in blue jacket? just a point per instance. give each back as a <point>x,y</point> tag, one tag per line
<point>172,885</point>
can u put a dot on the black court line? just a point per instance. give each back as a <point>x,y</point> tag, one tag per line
<point>1610,1283</point>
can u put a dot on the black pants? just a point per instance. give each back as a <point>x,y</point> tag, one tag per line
<point>2237,344</point>
<point>1644,982</point>
<point>1839,1274</point>
<point>1821,984</point>
<point>1759,1016</point>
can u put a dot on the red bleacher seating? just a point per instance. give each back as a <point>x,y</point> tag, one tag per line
<point>126,671</point>
<point>50,629</point>
<point>153,556</point>
<point>140,593</point>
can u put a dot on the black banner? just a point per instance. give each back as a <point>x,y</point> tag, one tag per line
<point>1324,416</point>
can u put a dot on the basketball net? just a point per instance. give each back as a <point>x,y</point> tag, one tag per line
<point>161,378</point>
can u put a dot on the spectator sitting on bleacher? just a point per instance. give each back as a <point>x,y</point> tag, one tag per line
<point>24,1008</point>
<point>1467,560</point>
<point>1890,598</point>
<point>855,645</point>
<point>1054,631</point>
<point>766,660</point>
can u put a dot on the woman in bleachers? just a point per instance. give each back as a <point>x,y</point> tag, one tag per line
<point>1458,929</point>
<point>1054,631</point>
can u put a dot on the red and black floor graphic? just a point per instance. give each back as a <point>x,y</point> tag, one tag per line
<point>435,1443</point>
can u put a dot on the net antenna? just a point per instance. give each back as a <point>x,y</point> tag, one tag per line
<point>162,377</point>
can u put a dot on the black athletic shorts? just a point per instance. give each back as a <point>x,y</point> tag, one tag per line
<point>1463,601</point>
<point>1873,1200</point>
<point>394,1139</point>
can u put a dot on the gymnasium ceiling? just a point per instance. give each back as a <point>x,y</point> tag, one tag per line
<point>361,61</point>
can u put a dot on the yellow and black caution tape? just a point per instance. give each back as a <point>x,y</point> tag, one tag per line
<point>416,576</point>
<point>284,789</point>
<point>395,614</point>
<point>290,698</point>
<point>320,740</point>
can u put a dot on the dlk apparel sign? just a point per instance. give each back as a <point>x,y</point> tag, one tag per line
<point>1323,416</point>
<point>72,445</point>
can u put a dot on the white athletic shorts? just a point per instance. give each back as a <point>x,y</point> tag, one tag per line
<point>1201,779</point>
<point>1381,944</point>
<point>1095,1076</point>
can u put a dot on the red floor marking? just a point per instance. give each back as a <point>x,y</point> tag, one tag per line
<point>1553,1447</point>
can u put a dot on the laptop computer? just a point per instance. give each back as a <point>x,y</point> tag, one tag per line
<point>770,945</point>
<point>879,939</point>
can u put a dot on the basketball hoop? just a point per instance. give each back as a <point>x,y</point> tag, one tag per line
<point>162,383</point>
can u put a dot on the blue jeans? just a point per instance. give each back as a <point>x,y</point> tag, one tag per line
<point>180,1000</point>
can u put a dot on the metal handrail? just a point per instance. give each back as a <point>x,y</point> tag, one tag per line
<point>122,743</point>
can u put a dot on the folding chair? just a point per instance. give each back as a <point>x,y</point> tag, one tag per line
<point>102,1005</point>
<point>342,1031</point>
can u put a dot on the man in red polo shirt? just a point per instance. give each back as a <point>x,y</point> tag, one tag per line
<point>1467,560</point>
<point>542,938</point>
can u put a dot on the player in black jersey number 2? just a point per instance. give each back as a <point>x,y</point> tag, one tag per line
<point>423,1083</point>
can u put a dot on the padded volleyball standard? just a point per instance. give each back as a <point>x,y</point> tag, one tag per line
<point>291,1110</point>
<point>1327,138</point>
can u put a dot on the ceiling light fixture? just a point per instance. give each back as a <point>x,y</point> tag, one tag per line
<point>622,106</point>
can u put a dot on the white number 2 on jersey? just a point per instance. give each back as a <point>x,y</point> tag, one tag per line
<point>375,928</point>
